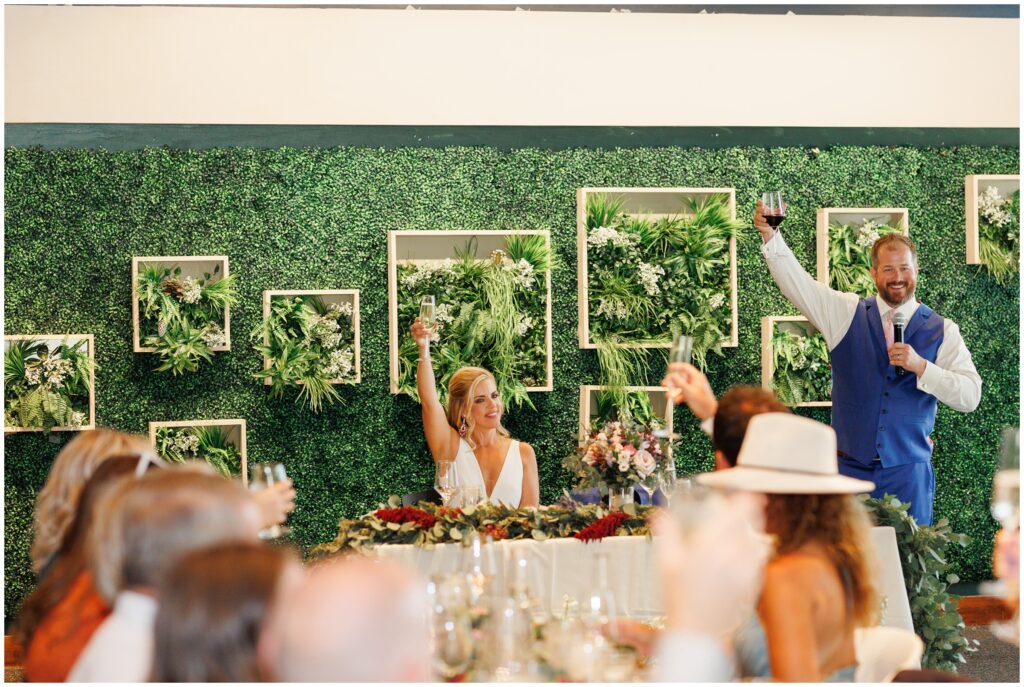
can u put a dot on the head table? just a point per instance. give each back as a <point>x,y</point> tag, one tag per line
<point>562,569</point>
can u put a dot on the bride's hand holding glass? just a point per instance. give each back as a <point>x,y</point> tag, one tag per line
<point>420,334</point>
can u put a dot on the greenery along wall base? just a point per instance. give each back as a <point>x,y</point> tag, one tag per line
<point>305,219</point>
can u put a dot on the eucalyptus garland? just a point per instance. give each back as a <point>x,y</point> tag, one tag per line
<point>211,444</point>
<point>999,233</point>
<point>849,256</point>
<point>803,369</point>
<point>46,387</point>
<point>181,317</point>
<point>490,312</point>
<point>429,524</point>
<point>310,345</point>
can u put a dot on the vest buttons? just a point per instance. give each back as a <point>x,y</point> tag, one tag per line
<point>885,393</point>
<point>884,411</point>
<point>879,446</point>
<point>881,429</point>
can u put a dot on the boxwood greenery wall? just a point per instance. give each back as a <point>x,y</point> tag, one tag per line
<point>317,218</point>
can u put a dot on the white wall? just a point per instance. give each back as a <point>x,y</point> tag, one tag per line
<point>236,65</point>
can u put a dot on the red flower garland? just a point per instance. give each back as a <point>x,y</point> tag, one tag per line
<point>406,514</point>
<point>605,527</point>
<point>496,532</point>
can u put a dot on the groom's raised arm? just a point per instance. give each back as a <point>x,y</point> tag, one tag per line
<point>829,310</point>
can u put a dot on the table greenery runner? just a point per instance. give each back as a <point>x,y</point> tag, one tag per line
<point>311,346</point>
<point>211,444</point>
<point>46,387</point>
<point>428,524</point>
<point>181,316</point>
<point>491,313</point>
<point>999,233</point>
<point>849,256</point>
<point>802,367</point>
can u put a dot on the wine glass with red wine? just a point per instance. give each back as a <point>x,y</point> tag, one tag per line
<point>774,208</point>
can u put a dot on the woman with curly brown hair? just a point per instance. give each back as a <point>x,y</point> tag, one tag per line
<point>817,587</point>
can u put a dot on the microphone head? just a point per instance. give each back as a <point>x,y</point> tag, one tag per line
<point>899,320</point>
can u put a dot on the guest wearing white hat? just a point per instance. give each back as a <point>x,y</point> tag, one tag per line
<point>817,587</point>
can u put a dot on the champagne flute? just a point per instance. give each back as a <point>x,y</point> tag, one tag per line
<point>1005,504</point>
<point>261,476</point>
<point>681,352</point>
<point>479,565</point>
<point>774,208</point>
<point>428,316</point>
<point>667,480</point>
<point>446,480</point>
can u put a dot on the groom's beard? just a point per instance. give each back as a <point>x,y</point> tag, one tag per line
<point>896,297</point>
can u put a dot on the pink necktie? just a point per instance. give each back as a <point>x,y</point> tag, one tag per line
<point>889,336</point>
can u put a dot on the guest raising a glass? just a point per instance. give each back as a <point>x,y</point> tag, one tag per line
<point>470,431</point>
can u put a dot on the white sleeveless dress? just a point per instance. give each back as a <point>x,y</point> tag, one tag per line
<point>508,490</point>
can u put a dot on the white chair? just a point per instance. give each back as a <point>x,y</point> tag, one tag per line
<point>884,651</point>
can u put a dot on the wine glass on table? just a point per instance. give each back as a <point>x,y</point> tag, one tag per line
<point>446,480</point>
<point>681,352</point>
<point>774,208</point>
<point>667,480</point>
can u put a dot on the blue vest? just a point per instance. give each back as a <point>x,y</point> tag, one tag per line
<point>874,412</point>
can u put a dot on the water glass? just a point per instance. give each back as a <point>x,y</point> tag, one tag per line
<point>470,495</point>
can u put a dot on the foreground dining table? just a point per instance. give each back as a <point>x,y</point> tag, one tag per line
<point>560,571</point>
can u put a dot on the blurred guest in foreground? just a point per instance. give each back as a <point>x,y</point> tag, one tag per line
<point>213,603</point>
<point>64,610</point>
<point>141,528</point>
<point>818,586</point>
<point>351,620</point>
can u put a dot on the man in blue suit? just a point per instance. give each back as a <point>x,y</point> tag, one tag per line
<point>883,420</point>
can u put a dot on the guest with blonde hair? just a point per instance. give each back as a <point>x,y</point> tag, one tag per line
<point>470,432</point>
<point>141,529</point>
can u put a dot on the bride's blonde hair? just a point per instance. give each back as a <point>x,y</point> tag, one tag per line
<point>461,391</point>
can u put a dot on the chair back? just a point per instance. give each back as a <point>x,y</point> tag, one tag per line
<point>882,652</point>
<point>430,496</point>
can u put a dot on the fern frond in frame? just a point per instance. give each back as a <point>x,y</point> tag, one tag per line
<point>47,383</point>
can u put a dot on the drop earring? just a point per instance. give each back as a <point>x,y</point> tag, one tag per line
<point>462,427</point>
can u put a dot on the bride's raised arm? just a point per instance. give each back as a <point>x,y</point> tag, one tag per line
<point>442,439</point>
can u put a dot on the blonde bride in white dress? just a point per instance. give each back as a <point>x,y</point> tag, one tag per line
<point>470,432</point>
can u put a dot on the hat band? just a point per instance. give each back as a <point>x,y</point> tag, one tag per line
<point>790,471</point>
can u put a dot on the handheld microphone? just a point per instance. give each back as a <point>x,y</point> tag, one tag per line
<point>899,322</point>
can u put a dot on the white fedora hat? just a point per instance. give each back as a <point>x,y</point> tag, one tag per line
<point>784,453</point>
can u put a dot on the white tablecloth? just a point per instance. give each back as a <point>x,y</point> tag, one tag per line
<point>565,567</point>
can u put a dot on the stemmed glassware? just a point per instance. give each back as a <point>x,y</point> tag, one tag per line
<point>478,564</point>
<point>446,480</point>
<point>681,352</point>
<point>774,208</point>
<point>264,476</point>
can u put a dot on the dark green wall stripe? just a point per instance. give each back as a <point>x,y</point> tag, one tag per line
<point>201,136</point>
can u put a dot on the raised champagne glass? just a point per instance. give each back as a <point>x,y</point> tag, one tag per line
<point>681,352</point>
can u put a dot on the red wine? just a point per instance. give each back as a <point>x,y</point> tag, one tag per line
<point>774,220</point>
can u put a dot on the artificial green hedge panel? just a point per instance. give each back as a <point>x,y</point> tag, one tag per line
<point>317,218</point>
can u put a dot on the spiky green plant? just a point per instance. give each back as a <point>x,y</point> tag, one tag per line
<point>620,367</point>
<point>181,317</point>
<point>602,210</point>
<point>802,366</point>
<point>309,345</point>
<point>637,409</point>
<point>999,242</point>
<point>492,312</point>
<point>47,387</point>
<point>211,444</point>
<point>849,256</point>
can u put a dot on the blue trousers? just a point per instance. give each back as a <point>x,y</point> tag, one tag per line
<point>913,483</point>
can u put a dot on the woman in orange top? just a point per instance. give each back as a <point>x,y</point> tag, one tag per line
<point>60,616</point>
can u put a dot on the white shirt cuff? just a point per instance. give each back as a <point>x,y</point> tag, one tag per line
<point>708,425</point>
<point>929,379</point>
<point>775,247</point>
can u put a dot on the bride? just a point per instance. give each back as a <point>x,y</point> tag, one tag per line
<point>470,433</point>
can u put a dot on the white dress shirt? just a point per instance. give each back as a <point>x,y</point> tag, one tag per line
<point>121,650</point>
<point>952,378</point>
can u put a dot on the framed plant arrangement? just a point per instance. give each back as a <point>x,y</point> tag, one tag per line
<point>181,309</point>
<point>221,443</point>
<point>644,407</point>
<point>309,340</point>
<point>492,291</point>
<point>49,383</point>
<point>992,204</point>
<point>794,362</point>
<point>657,260</point>
<point>844,240</point>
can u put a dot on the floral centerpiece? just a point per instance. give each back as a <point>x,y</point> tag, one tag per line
<point>849,255</point>
<point>615,457</point>
<point>999,233</point>
<point>211,444</point>
<point>310,345</point>
<point>803,370</point>
<point>647,278</point>
<point>47,387</point>
<point>180,317</point>
<point>490,313</point>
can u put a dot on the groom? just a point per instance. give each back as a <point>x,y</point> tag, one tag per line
<point>882,419</point>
